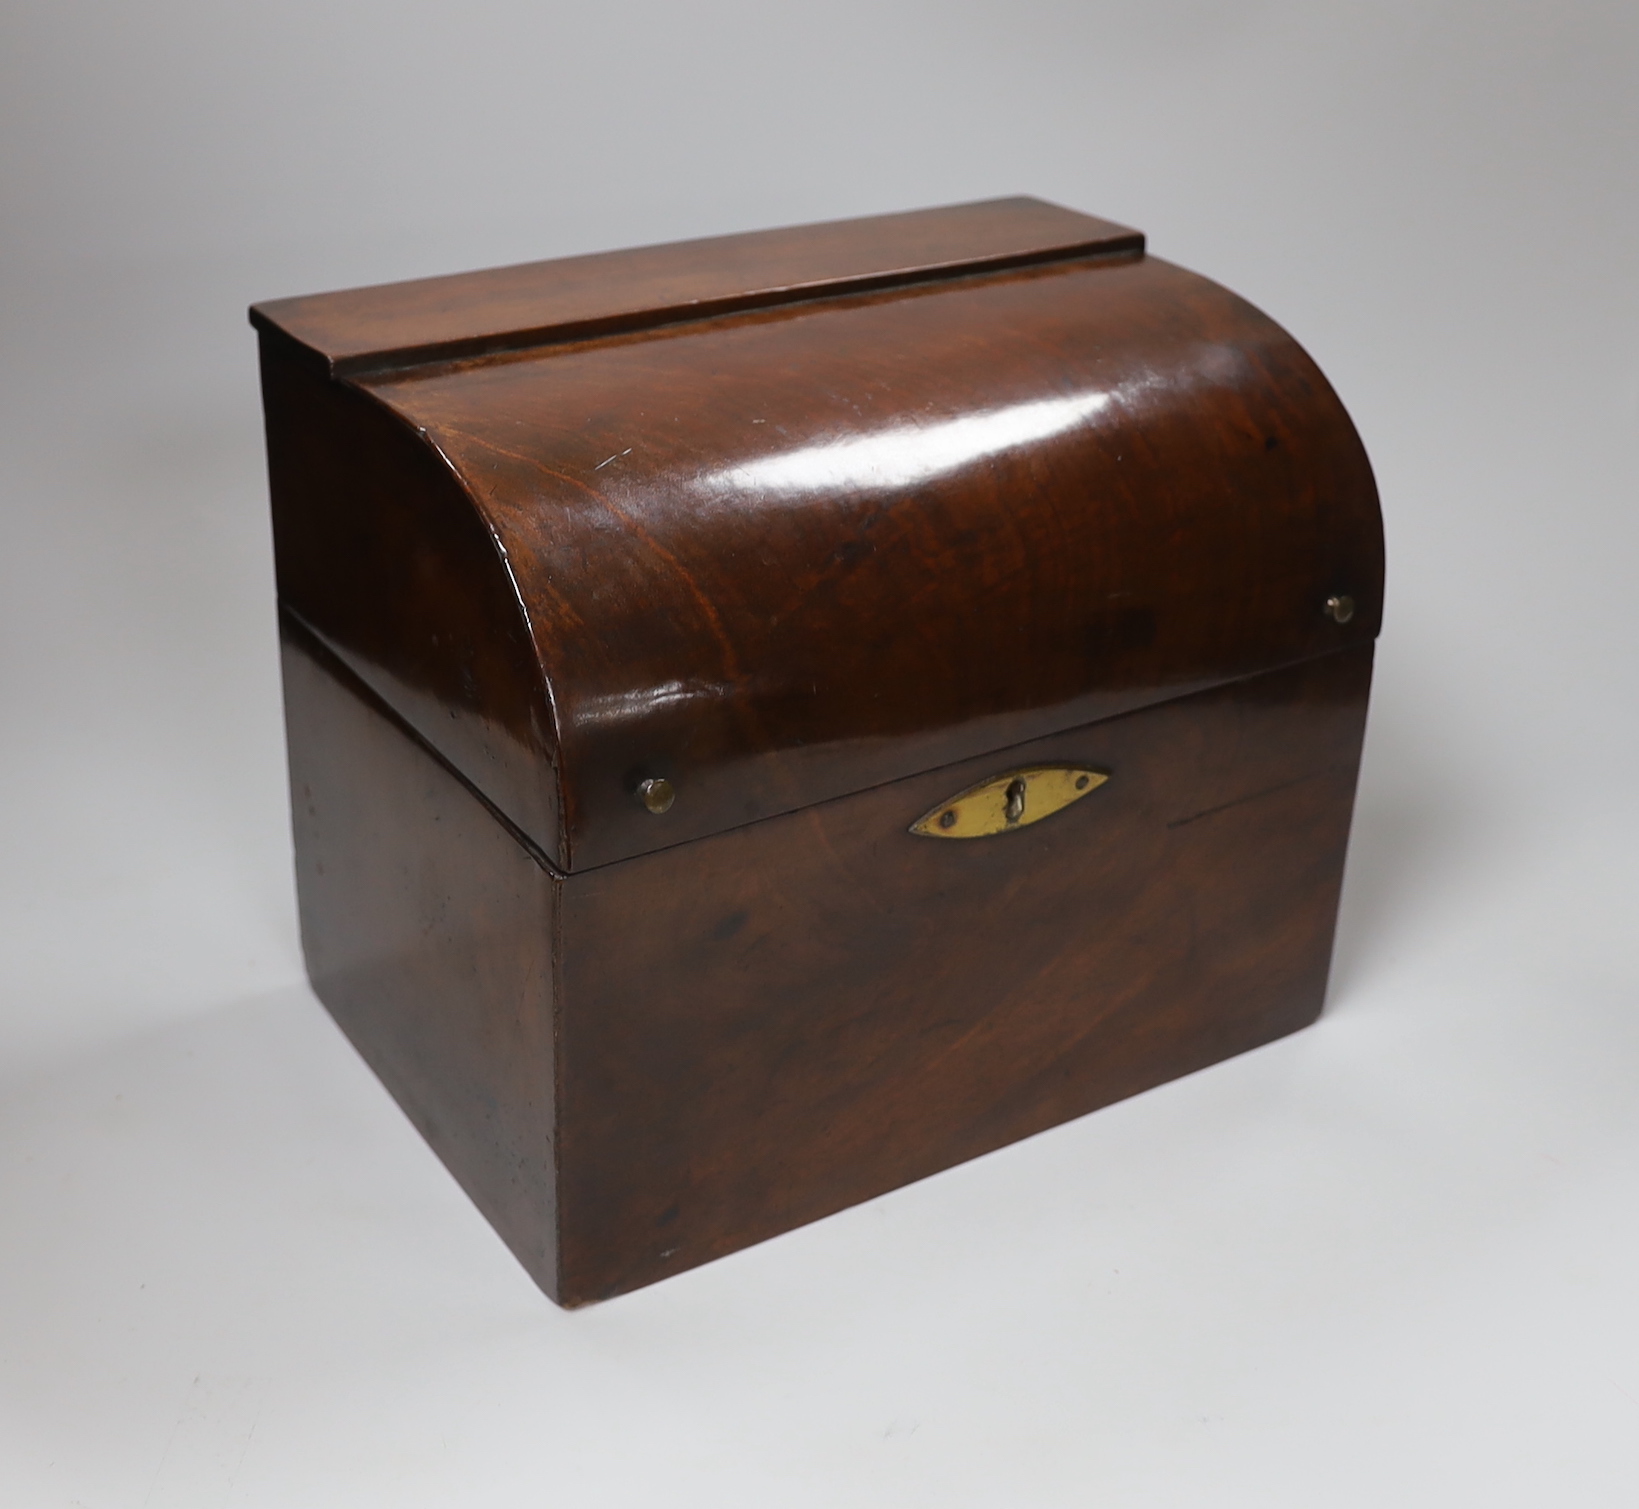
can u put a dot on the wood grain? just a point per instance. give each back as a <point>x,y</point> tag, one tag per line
<point>427,932</point>
<point>535,303</point>
<point>821,528</point>
<point>777,557</point>
<point>639,1069</point>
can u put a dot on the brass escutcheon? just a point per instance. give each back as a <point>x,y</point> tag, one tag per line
<point>1011,801</point>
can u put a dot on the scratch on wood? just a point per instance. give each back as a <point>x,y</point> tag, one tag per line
<point>1241,801</point>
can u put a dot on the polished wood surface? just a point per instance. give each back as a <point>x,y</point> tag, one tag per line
<point>619,669</point>
<point>641,1068</point>
<point>578,297</point>
<point>781,556</point>
<point>833,1007</point>
<point>427,932</point>
<point>378,548</point>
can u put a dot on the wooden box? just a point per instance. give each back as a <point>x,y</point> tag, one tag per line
<point>772,717</point>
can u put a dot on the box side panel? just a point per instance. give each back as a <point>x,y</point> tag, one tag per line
<point>770,1025</point>
<point>428,934</point>
<point>380,553</point>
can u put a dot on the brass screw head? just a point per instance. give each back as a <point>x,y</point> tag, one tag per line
<point>657,794</point>
<point>1340,609</point>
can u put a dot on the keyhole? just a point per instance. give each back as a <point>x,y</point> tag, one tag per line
<point>1015,800</point>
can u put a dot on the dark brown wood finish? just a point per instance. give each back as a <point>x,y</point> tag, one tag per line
<point>427,929</point>
<point>728,1039</point>
<point>834,1007</point>
<point>504,308</point>
<point>782,556</point>
<point>377,544</point>
<point>820,527</point>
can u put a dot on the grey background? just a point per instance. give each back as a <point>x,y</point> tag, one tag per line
<point>1388,1260</point>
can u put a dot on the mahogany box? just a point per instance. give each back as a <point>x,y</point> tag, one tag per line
<point>774,716</point>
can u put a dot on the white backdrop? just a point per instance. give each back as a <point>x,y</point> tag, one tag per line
<point>1389,1260</point>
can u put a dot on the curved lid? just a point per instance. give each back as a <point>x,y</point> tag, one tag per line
<point>781,555</point>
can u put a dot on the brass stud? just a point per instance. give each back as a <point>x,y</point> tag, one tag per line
<point>657,794</point>
<point>1340,609</point>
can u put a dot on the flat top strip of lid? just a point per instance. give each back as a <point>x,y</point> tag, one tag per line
<point>507,308</point>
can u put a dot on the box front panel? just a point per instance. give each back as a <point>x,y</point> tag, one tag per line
<point>764,1027</point>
